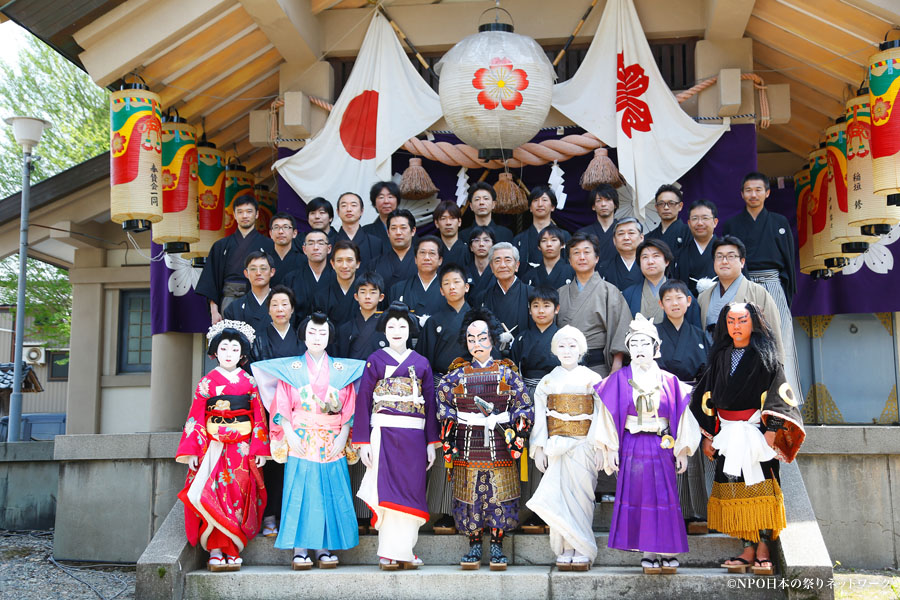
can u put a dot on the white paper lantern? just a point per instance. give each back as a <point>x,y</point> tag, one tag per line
<point>495,89</point>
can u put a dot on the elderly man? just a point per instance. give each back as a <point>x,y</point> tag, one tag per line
<point>422,292</point>
<point>595,307</point>
<point>622,268</point>
<point>508,298</point>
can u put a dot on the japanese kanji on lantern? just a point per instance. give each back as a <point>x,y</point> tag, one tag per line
<point>824,248</point>
<point>135,153</point>
<point>853,242</point>
<point>238,182</point>
<point>884,91</point>
<point>179,226</point>
<point>868,210</point>
<point>210,200</point>
<point>495,89</point>
<point>268,206</point>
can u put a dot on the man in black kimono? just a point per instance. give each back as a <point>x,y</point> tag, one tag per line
<point>482,198</point>
<point>320,214</point>
<point>311,280</point>
<point>385,197</point>
<point>622,268</point>
<point>672,230</point>
<point>508,298</point>
<point>655,260</point>
<point>542,202</point>
<point>696,260</point>
<point>350,210</point>
<point>684,346</point>
<point>252,307</point>
<point>447,220</point>
<point>222,279</point>
<point>605,200</point>
<point>478,269</point>
<point>422,292</point>
<point>554,271</point>
<point>357,337</point>
<point>288,256</point>
<point>341,305</point>
<point>398,262</point>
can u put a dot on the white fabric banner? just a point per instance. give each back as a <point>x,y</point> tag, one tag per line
<point>384,103</point>
<point>657,141</point>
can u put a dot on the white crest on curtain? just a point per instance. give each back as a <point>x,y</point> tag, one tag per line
<point>878,257</point>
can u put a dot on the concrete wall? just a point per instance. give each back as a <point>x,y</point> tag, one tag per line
<point>853,478</point>
<point>114,492</point>
<point>28,481</point>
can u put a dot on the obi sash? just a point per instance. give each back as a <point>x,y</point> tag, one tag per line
<point>228,418</point>
<point>569,414</point>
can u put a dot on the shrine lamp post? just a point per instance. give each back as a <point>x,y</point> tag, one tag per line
<point>27,131</point>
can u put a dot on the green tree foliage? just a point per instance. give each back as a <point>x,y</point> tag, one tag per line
<point>44,84</point>
<point>49,299</point>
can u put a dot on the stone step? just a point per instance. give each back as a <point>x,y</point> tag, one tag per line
<point>450,583</point>
<point>521,549</point>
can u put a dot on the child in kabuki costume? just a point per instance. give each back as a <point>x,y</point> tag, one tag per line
<point>311,401</point>
<point>749,418</point>
<point>225,445</point>
<point>485,414</point>
<point>647,432</point>
<point>563,447</point>
<point>396,428</point>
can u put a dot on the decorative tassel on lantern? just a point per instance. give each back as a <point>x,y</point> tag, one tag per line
<point>511,199</point>
<point>853,242</point>
<point>867,209</point>
<point>179,226</point>
<point>238,182</point>
<point>416,184</point>
<point>824,248</point>
<point>268,206</point>
<point>210,201</point>
<point>601,169</point>
<point>135,150</point>
<point>884,93</point>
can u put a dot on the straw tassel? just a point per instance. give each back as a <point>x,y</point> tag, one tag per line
<point>745,517</point>
<point>511,199</point>
<point>416,184</point>
<point>523,465</point>
<point>601,170</point>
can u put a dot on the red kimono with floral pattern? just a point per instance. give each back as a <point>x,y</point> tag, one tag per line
<point>225,497</point>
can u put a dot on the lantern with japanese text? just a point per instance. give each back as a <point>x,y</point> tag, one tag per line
<point>268,206</point>
<point>135,152</point>
<point>853,242</point>
<point>495,89</point>
<point>178,228</point>
<point>824,248</point>
<point>867,209</point>
<point>884,92</point>
<point>808,261</point>
<point>210,201</point>
<point>238,182</point>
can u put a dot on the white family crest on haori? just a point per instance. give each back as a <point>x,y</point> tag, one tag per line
<point>878,257</point>
<point>384,103</point>
<point>184,275</point>
<point>656,141</point>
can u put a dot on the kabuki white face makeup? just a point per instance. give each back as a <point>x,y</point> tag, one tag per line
<point>229,354</point>
<point>640,347</point>
<point>567,353</point>
<point>316,338</point>
<point>478,341</point>
<point>397,333</point>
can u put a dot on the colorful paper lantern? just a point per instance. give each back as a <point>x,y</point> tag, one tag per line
<point>268,206</point>
<point>495,89</point>
<point>884,92</point>
<point>809,264</point>
<point>238,182</point>
<point>179,227</point>
<point>868,210</point>
<point>210,201</point>
<point>853,242</point>
<point>135,151</point>
<point>824,248</point>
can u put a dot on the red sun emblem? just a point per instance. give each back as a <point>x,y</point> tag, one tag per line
<point>359,125</point>
<point>632,84</point>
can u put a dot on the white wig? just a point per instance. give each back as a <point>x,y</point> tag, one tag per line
<point>568,332</point>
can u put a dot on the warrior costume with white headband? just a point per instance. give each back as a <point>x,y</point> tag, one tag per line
<point>748,414</point>
<point>647,433</point>
<point>396,428</point>
<point>563,448</point>
<point>485,414</point>
<point>225,445</point>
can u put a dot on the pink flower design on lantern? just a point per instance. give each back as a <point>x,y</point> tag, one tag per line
<point>881,110</point>
<point>500,84</point>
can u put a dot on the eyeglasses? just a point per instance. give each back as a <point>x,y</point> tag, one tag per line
<point>667,204</point>
<point>730,257</point>
<point>282,227</point>
<point>703,219</point>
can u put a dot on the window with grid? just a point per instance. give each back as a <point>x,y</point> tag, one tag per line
<point>134,331</point>
<point>58,365</point>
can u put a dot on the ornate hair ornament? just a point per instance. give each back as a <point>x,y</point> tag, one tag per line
<point>245,328</point>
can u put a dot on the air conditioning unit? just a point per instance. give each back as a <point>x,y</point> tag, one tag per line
<point>34,355</point>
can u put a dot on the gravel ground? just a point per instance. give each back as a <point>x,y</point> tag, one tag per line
<point>29,572</point>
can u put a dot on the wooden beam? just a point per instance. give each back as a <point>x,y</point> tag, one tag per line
<point>260,158</point>
<point>800,70</point>
<point>802,50</point>
<point>322,5</point>
<point>810,116</point>
<point>214,95</point>
<point>817,31</point>
<point>849,18</point>
<point>884,9</point>
<point>231,133</point>
<point>801,92</point>
<point>803,129</point>
<point>291,27</point>
<point>726,20</point>
<point>783,136</point>
<point>235,109</point>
